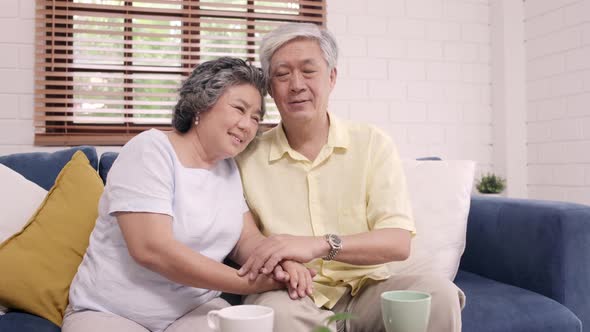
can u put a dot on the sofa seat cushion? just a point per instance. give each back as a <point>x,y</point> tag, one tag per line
<point>43,167</point>
<point>496,307</point>
<point>23,322</point>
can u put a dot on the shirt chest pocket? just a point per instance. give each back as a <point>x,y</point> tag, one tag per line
<point>352,219</point>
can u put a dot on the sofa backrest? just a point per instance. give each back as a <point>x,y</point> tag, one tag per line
<point>43,167</point>
<point>104,166</point>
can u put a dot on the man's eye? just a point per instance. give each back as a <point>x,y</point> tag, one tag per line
<point>281,74</point>
<point>240,109</point>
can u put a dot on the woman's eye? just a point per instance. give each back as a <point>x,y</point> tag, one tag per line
<point>281,74</point>
<point>256,119</point>
<point>240,109</point>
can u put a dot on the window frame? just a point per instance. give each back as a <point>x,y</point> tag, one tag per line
<point>54,79</point>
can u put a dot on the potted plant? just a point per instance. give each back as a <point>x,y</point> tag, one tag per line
<point>490,183</point>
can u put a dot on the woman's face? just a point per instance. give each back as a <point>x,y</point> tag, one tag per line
<point>230,125</point>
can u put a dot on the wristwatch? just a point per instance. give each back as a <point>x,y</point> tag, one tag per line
<point>335,243</point>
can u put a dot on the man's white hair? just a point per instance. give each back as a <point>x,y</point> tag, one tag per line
<point>273,40</point>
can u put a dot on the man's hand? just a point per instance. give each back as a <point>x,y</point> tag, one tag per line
<point>277,248</point>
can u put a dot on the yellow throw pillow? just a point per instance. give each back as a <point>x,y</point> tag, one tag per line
<point>39,263</point>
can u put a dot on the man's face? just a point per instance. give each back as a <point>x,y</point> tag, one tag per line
<point>300,81</point>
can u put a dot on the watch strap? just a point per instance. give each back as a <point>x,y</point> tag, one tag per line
<point>335,246</point>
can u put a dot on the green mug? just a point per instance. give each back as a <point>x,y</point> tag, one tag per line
<point>405,311</point>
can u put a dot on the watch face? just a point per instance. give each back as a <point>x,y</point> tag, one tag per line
<point>335,240</point>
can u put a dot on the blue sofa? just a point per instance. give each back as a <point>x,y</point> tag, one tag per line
<point>526,266</point>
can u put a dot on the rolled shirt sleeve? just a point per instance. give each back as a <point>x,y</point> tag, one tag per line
<point>388,204</point>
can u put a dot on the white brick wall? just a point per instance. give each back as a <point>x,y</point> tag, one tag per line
<point>16,75</point>
<point>419,69</point>
<point>428,71</point>
<point>558,82</point>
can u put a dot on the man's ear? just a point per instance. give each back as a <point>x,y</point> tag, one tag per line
<point>333,76</point>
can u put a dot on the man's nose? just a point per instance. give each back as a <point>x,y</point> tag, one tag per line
<point>296,83</point>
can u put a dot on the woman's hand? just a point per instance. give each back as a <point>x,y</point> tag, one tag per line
<point>264,283</point>
<point>276,248</point>
<point>297,277</point>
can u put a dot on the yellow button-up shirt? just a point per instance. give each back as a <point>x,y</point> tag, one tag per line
<point>355,184</point>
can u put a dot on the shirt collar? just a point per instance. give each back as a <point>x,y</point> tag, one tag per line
<point>337,138</point>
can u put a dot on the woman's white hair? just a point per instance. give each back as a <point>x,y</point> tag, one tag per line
<point>273,40</point>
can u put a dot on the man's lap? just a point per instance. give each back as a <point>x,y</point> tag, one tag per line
<point>365,306</point>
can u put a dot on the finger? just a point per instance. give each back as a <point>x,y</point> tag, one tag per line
<point>260,257</point>
<point>312,272</point>
<point>255,268</point>
<point>294,294</point>
<point>252,264</point>
<point>257,263</point>
<point>286,272</point>
<point>309,277</point>
<point>302,287</point>
<point>272,261</point>
<point>294,279</point>
<point>280,274</point>
<point>288,269</point>
<point>245,268</point>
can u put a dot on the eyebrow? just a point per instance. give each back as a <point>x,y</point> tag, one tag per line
<point>247,105</point>
<point>305,62</point>
<point>243,102</point>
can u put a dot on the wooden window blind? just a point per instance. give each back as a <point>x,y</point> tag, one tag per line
<point>106,70</point>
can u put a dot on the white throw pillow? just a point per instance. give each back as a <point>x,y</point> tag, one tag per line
<point>440,194</point>
<point>20,198</point>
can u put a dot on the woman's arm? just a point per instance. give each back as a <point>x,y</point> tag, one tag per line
<point>151,243</point>
<point>250,238</point>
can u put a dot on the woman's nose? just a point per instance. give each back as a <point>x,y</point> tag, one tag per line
<point>245,124</point>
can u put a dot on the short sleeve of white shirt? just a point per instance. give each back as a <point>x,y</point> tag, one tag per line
<point>141,179</point>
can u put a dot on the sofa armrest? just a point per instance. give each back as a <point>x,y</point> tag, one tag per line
<point>541,246</point>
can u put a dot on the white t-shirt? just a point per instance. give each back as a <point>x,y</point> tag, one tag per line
<point>206,206</point>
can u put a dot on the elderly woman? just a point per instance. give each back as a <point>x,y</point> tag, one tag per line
<point>173,210</point>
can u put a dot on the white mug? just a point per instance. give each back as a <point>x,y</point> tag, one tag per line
<point>241,318</point>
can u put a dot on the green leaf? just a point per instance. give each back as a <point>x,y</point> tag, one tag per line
<point>338,316</point>
<point>491,183</point>
<point>321,329</point>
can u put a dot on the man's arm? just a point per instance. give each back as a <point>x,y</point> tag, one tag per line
<point>369,248</point>
<point>388,215</point>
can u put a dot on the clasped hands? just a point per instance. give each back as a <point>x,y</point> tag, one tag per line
<point>283,255</point>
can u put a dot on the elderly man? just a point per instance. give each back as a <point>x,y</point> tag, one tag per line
<point>331,194</point>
